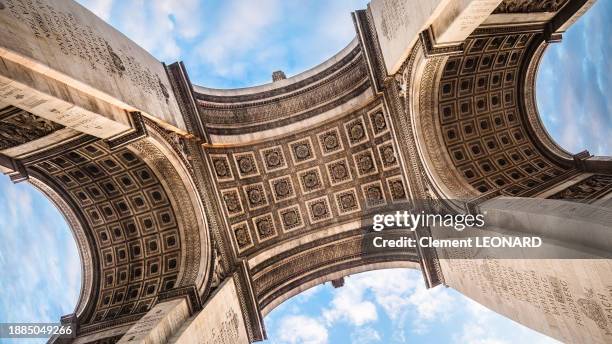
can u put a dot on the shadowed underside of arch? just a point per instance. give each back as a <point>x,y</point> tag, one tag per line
<point>139,227</point>
<point>274,187</point>
<point>482,118</point>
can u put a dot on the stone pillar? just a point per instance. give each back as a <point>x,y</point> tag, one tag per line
<point>562,289</point>
<point>398,24</point>
<point>460,18</point>
<point>221,320</point>
<point>158,325</point>
<point>61,62</point>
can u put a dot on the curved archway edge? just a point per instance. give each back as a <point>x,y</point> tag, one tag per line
<point>181,196</point>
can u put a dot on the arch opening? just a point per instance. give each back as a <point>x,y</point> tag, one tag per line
<point>39,257</point>
<point>384,304</point>
<point>572,83</point>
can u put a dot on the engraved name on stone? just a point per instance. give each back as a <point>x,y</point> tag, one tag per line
<point>77,39</point>
<point>478,12</point>
<point>227,331</point>
<point>549,294</point>
<point>394,16</point>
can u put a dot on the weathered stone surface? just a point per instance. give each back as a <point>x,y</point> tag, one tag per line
<point>18,127</point>
<point>287,176</point>
<point>219,322</point>
<point>158,324</point>
<point>398,24</point>
<point>63,41</point>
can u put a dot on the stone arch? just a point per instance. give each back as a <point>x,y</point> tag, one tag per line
<point>83,239</point>
<point>334,275</point>
<point>261,112</point>
<point>531,115</point>
<point>317,258</point>
<point>138,222</point>
<point>475,132</point>
<point>421,83</point>
<point>165,152</point>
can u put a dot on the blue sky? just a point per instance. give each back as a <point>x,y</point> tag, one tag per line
<point>238,43</point>
<point>574,84</point>
<point>41,270</point>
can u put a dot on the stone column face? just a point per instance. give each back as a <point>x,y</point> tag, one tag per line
<point>570,300</point>
<point>460,18</point>
<point>158,324</point>
<point>219,322</point>
<point>562,289</point>
<point>398,24</point>
<point>61,62</point>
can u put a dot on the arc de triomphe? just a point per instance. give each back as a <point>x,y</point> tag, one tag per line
<point>196,211</point>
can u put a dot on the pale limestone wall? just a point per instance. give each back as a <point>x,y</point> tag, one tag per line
<point>398,24</point>
<point>220,322</point>
<point>566,293</point>
<point>65,52</point>
<point>460,18</point>
<point>158,324</point>
<point>570,300</point>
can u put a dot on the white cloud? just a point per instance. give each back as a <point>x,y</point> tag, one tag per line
<point>412,310</point>
<point>399,292</point>
<point>229,48</point>
<point>365,335</point>
<point>102,8</point>
<point>156,25</point>
<point>40,278</point>
<point>483,326</point>
<point>297,329</point>
<point>234,42</point>
<point>349,304</point>
<point>309,293</point>
<point>431,305</point>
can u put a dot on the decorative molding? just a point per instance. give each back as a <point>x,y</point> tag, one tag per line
<point>432,49</point>
<point>326,159</point>
<point>426,113</point>
<point>587,190</point>
<point>528,6</point>
<point>18,127</point>
<point>202,170</point>
<point>364,25</point>
<point>139,131</point>
<point>190,293</point>
<point>249,304</point>
<point>183,206</point>
<point>530,113</point>
<point>297,86</point>
<point>18,172</point>
<point>266,112</point>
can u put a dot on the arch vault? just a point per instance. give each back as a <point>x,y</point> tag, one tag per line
<point>198,210</point>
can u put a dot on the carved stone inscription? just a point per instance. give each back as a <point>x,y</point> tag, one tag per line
<point>158,324</point>
<point>398,24</point>
<point>394,16</point>
<point>227,332</point>
<point>469,17</point>
<point>61,111</point>
<point>575,296</point>
<point>68,39</point>
<point>220,322</point>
